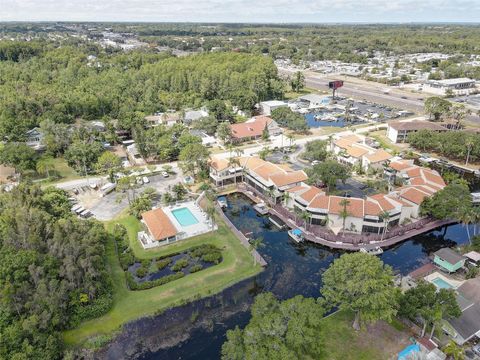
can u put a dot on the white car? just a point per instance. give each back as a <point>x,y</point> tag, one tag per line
<point>145,180</point>
<point>165,174</point>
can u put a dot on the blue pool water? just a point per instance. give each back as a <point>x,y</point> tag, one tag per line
<point>441,284</point>
<point>184,217</point>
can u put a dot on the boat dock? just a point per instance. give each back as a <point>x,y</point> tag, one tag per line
<point>275,220</point>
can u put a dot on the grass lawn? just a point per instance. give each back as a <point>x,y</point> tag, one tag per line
<point>291,95</point>
<point>381,137</point>
<point>129,305</point>
<point>62,172</point>
<point>377,341</point>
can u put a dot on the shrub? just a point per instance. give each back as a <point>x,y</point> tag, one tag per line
<point>213,257</point>
<point>163,263</point>
<point>196,268</point>
<point>141,272</point>
<point>126,259</point>
<point>133,285</point>
<point>180,264</point>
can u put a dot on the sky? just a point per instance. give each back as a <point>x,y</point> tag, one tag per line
<point>259,11</point>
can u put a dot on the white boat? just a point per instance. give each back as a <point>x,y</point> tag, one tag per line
<point>375,251</point>
<point>222,202</point>
<point>261,208</point>
<point>296,234</point>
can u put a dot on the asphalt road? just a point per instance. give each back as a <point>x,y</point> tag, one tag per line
<point>374,92</point>
<point>402,101</point>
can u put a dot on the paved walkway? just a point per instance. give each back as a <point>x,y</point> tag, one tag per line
<point>344,242</point>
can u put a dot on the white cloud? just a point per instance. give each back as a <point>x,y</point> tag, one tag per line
<point>242,10</point>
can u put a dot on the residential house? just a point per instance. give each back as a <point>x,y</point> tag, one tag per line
<point>167,119</point>
<point>34,139</point>
<point>194,115</point>
<point>134,155</point>
<point>467,326</point>
<point>254,128</point>
<point>353,150</point>
<point>449,260</point>
<point>398,131</point>
<point>207,140</point>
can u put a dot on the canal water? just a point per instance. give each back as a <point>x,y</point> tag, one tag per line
<point>197,330</point>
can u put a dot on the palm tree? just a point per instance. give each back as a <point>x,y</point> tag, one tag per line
<point>254,245</point>
<point>305,216</point>
<point>385,217</point>
<point>286,197</point>
<point>454,351</point>
<point>211,212</point>
<point>291,138</point>
<point>235,162</point>
<point>469,145</point>
<point>344,212</point>
<point>466,218</point>
<point>45,164</point>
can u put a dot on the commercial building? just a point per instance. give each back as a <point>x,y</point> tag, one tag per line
<point>266,107</point>
<point>459,86</point>
<point>314,100</point>
<point>398,131</point>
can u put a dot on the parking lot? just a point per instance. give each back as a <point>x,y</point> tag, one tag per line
<point>111,205</point>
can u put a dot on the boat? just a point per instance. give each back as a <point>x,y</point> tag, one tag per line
<point>222,202</point>
<point>328,118</point>
<point>375,251</point>
<point>261,208</point>
<point>296,234</point>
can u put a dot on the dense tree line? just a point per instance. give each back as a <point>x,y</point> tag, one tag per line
<point>61,83</point>
<point>459,145</point>
<point>52,272</point>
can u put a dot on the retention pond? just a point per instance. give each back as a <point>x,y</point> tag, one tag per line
<point>197,330</point>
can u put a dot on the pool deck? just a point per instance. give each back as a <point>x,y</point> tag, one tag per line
<point>201,227</point>
<point>349,241</point>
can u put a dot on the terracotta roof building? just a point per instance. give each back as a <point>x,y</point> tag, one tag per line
<point>158,224</point>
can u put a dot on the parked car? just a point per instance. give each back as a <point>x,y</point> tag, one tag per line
<point>165,174</point>
<point>476,349</point>
<point>145,180</point>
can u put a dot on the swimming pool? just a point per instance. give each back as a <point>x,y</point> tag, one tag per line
<point>184,216</point>
<point>441,284</point>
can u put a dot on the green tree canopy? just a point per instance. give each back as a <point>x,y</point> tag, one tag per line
<point>361,283</point>
<point>328,173</point>
<point>278,330</point>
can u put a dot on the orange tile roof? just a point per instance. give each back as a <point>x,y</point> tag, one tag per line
<point>383,202</point>
<point>415,172</point>
<point>282,179</point>
<point>372,208</point>
<point>310,193</point>
<point>379,155</point>
<point>158,224</point>
<point>399,200</point>
<point>267,170</point>
<point>297,188</point>
<point>433,177</point>
<point>250,129</point>
<point>399,165</point>
<point>356,152</point>
<point>320,201</point>
<point>354,207</point>
<point>219,164</point>
<point>414,195</point>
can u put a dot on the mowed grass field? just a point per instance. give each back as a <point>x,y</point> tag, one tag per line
<point>378,341</point>
<point>129,305</point>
